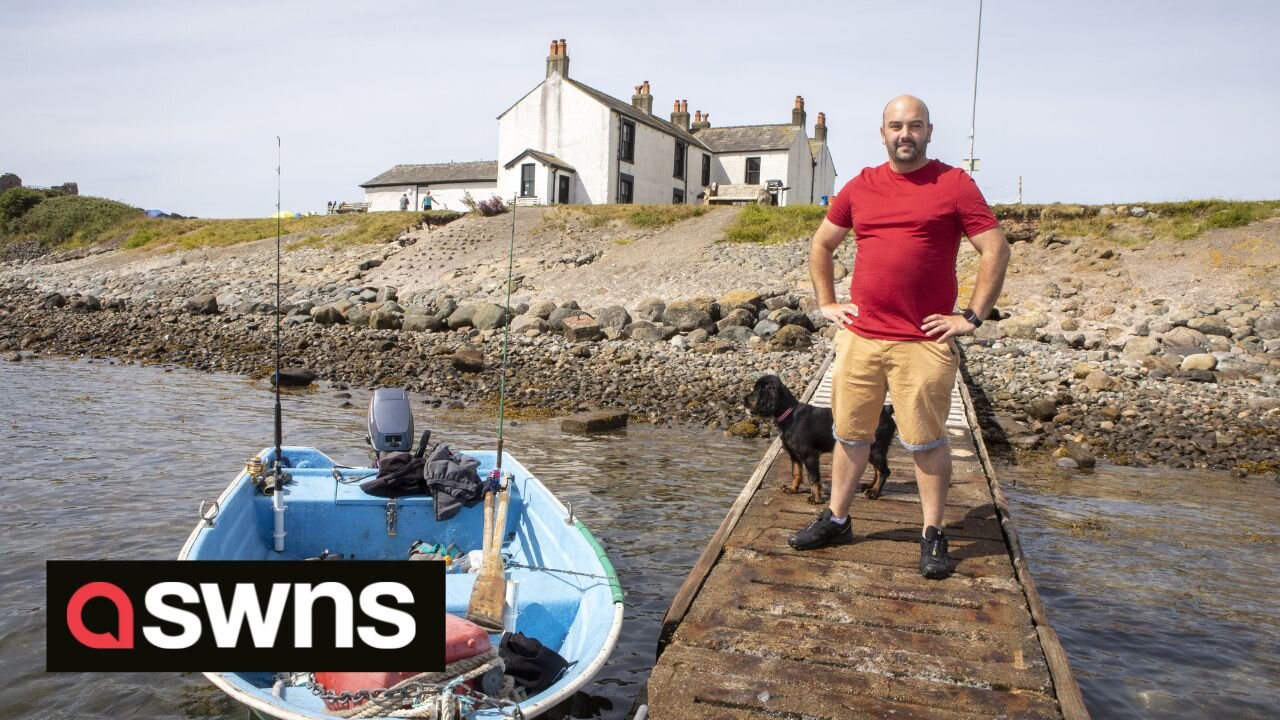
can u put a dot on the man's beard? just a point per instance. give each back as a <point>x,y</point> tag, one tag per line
<point>915,151</point>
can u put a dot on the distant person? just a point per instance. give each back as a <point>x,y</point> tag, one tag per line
<point>895,332</point>
<point>426,200</point>
<point>404,202</point>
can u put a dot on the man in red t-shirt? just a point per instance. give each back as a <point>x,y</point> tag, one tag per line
<point>908,216</point>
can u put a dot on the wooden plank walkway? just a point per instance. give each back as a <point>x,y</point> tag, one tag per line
<point>759,630</point>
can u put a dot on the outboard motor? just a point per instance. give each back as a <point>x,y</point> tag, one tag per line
<point>391,422</point>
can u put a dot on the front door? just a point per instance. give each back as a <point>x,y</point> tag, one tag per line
<point>564,190</point>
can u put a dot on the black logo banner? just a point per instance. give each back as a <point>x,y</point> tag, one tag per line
<point>246,616</point>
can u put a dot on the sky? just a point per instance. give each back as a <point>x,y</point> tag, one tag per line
<point>177,105</point>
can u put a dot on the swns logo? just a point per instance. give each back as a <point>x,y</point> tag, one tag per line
<point>164,616</point>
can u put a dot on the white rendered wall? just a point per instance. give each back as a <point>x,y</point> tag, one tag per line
<point>654,166</point>
<point>799,173</point>
<point>731,168</point>
<point>383,199</point>
<point>559,119</point>
<point>824,182</point>
<point>444,196</point>
<point>448,196</point>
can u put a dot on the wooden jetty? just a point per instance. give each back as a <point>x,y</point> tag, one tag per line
<point>759,630</point>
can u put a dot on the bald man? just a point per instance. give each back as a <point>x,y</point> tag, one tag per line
<point>896,332</point>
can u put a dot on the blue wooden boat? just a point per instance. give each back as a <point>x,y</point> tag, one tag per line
<point>568,593</point>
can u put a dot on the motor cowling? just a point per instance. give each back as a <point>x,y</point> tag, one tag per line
<point>390,421</point>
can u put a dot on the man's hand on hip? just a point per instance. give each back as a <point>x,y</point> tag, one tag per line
<point>842,314</point>
<point>946,326</point>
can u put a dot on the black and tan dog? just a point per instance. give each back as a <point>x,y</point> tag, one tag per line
<point>806,435</point>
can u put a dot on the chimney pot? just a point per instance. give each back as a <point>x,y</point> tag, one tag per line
<point>558,61</point>
<point>798,114</point>
<point>680,114</point>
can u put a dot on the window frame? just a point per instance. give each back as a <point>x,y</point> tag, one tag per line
<point>627,141</point>
<point>531,170</point>
<point>682,152</point>
<point>747,171</point>
<point>706,170</point>
<point>677,196</point>
<point>629,182</point>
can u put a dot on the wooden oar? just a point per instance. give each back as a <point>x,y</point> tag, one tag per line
<point>490,591</point>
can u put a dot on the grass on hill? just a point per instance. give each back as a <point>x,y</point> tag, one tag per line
<point>1172,221</point>
<point>641,216</point>
<point>770,225</point>
<point>71,221</point>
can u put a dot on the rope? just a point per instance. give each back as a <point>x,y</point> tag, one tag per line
<point>556,570</point>
<point>437,701</point>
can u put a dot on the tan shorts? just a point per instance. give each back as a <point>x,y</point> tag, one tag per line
<point>919,377</point>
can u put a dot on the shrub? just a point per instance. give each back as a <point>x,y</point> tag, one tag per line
<point>469,202</point>
<point>768,224</point>
<point>73,219</point>
<point>492,206</point>
<point>14,203</point>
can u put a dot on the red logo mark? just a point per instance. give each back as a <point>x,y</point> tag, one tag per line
<point>123,639</point>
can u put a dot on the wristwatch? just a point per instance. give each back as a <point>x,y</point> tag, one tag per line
<point>972,317</point>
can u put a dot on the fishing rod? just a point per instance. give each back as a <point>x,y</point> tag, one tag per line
<point>278,478</point>
<point>491,594</point>
<point>506,327</point>
<point>279,431</point>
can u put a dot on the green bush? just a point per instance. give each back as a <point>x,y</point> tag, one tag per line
<point>16,202</point>
<point>768,225</point>
<point>72,219</point>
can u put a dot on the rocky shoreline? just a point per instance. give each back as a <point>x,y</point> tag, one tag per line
<point>700,380</point>
<point>1102,352</point>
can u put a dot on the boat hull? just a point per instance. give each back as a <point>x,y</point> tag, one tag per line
<point>568,594</point>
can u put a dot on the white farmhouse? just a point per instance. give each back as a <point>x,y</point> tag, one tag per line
<point>567,142</point>
<point>447,182</point>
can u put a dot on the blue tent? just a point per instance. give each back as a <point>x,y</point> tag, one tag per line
<point>156,213</point>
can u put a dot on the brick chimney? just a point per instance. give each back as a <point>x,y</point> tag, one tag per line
<point>558,60</point>
<point>797,115</point>
<point>820,128</point>
<point>642,100</point>
<point>701,121</point>
<point>680,114</point>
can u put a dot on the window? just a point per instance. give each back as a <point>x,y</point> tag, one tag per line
<point>625,184</point>
<point>627,148</point>
<point>680,153</point>
<point>677,196</point>
<point>706,170</point>
<point>753,171</point>
<point>526,180</point>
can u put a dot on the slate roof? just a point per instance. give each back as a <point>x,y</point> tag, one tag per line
<point>545,158</point>
<point>484,170</point>
<point>748,138</point>
<point>634,113</point>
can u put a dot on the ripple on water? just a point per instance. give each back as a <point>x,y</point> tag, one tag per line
<point>1164,602</point>
<point>110,461</point>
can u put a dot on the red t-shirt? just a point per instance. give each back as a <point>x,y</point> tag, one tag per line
<point>908,229</point>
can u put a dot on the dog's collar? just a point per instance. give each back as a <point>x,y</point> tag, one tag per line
<point>786,414</point>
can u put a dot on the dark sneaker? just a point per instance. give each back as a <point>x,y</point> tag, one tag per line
<point>822,532</point>
<point>935,563</point>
